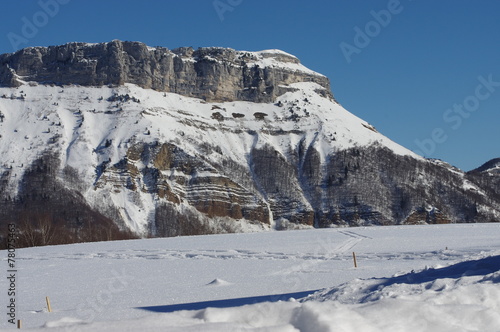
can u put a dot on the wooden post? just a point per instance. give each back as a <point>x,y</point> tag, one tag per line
<point>18,323</point>
<point>354,258</point>
<point>48,304</point>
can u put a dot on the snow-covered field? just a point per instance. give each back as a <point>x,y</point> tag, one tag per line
<point>412,278</point>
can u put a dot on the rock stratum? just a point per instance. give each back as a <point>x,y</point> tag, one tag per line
<point>98,139</point>
<point>213,74</point>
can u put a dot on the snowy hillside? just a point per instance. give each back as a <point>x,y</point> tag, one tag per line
<point>90,128</point>
<point>103,140</point>
<point>409,278</point>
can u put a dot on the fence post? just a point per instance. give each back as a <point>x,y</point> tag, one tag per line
<point>48,304</point>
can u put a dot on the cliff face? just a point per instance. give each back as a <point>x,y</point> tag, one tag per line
<point>247,141</point>
<point>213,74</point>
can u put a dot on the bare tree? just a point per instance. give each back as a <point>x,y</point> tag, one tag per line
<point>27,232</point>
<point>37,230</point>
<point>46,229</point>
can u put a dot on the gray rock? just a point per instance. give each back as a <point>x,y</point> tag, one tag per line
<point>213,74</point>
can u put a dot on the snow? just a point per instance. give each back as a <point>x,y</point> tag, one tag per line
<point>265,58</point>
<point>291,66</point>
<point>76,122</point>
<point>276,51</point>
<point>218,282</point>
<point>409,278</point>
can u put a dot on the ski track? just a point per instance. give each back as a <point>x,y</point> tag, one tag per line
<point>351,242</point>
<point>339,253</point>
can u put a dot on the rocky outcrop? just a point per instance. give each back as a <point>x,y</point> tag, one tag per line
<point>213,74</point>
<point>366,186</point>
<point>356,187</point>
<point>178,177</point>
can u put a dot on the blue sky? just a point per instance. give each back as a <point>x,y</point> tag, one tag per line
<point>424,73</point>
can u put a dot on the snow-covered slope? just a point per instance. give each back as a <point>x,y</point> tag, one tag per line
<point>263,145</point>
<point>88,127</point>
<point>433,280</point>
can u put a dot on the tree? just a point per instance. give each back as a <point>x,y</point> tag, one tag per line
<point>37,230</point>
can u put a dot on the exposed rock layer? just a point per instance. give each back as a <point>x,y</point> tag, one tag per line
<point>214,74</point>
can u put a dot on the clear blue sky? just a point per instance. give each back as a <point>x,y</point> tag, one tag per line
<point>414,76</point>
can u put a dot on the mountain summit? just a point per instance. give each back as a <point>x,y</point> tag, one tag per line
<point>165,143</point>
<point>213,73</point>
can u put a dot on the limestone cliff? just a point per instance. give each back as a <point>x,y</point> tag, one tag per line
<point>213,74</point>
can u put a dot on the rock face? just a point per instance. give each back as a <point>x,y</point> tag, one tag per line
<point>213,74</point>
<point>101,139</point>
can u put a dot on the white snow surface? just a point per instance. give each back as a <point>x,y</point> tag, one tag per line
<point>85,129</point>
<point>266,58</point>
<point>409,278</point>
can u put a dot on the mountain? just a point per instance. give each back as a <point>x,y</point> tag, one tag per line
<point>488,177</point>
<point>101,139</point>
<point>490,167</point>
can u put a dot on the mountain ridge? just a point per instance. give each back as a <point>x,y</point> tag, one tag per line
<point>163,163</point>
<point>488,166</point>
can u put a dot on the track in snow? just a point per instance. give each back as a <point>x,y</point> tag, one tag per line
<point>351,242</point>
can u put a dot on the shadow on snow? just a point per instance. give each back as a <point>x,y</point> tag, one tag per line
<point>228,302</point>
<point>480,267</point>
<point>485,267</point>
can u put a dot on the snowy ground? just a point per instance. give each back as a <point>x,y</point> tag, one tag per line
<point>413,278</point>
